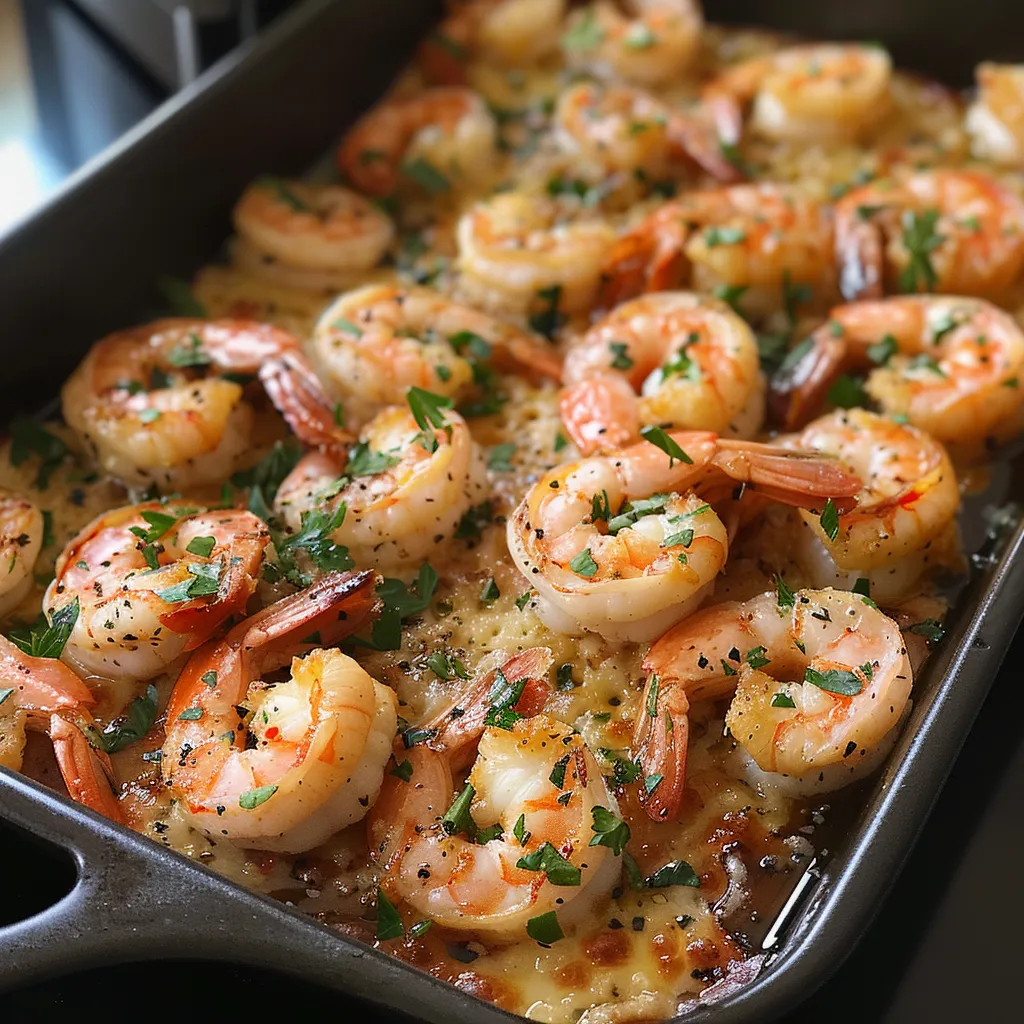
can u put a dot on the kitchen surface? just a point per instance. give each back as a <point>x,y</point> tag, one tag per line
<point>946,944</point>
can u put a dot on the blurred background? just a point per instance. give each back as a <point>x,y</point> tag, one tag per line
<point>76,74</point>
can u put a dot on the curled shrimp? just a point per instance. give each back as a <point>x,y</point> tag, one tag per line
<point>540,785</point>
<point>21,539</point>
<point>518,251</point>
<point>161,403</point>
<point>153,581</point>
<point>402,497</point>
<point>650,42</point>
<point>995,120</point>
<point>506,33</point>
<point>751,237</point>
<point>313,227</point>
<point>375,343</point>
<point>904,519</point>
<point>824,92</point>
<point>669,359</point>
<point>281,766</point>
<point>951,366</point>
<point>43,694</point>
<point>619,129</point>
<point>617,545</point>
<point>817,688</point>
<point>448,130</point>
<point>958,232</point>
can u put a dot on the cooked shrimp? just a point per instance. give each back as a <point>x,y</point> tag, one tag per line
<point>614,545</point>
<point>153,581</point>
<point>430,139</point>
<point>951,366</point>
<point>670,359</point>
<point>375,343</point>
<point>818,685</point>
<point>408,495</point>
<point>958,232</point>
<point>456,728</point>
<point>537,780</point>
<point>650,42</point>
<point>313,227</point>
<point>519,252</point>
<point>754,237</point>
<point>506,33</point>
<point>995,120</point>
<point>21,539</point>
<point>140,401</point>
<point>823,92</point>
<point>43,694</point>
<point>904,520</point>
<point>281,766</point>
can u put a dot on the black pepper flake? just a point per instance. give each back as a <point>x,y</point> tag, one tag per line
<point>638,924</point>
<point>615,924</point>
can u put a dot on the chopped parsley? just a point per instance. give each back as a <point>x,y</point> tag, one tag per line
<point>48,640</point>
<point>608,830</point>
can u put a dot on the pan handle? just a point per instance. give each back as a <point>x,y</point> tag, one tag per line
<point>134,900</point>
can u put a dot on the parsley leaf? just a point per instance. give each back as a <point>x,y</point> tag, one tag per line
<point>608,830</point>
<point>44,640</point>
<point>546,858</point>
<point>27,439</point>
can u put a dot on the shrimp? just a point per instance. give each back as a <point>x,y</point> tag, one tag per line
<point>952,366</point>
<point>541,789</point>
<point>818,686</point>
<point>45,695</point>
<point>281,766</point>
<point>142,402</point>
<point>669,359</point>
<point>402,496</point>
<point>958,232</point>
<point>905,517</point>
<point>519,252</point>
<point>375,343</point>
<point>506,33</point>
<point>820,93</point>
<point>618,129</point>
<point>313,227</point>
<point>649,42</point>
<point>151,582</point>
<point>614,545</point>
<point>21,540</point>
<point>995,120</point>
<point>430,139</point>
<point>752,237</point>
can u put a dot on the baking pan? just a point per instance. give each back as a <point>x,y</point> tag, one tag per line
<point>158,204</point>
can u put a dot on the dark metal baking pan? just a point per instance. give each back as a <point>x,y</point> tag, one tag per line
<point>157,204</point>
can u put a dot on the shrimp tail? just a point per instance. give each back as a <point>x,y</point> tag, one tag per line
<point>299,396</point>
<point>660,742</point>
<point>797,390</point>
<point>600,412</point>
<point>44,685</point>
<point>703,139</point>
<point>87,772</point>
<point>649,259</point>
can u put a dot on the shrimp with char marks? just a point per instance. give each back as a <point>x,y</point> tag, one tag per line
<point>377,342</point>
<point>818,686</point>
<point>618,544</point>
<point>950,231</point>
<point>164,403</point>
<point>282,766</point>
<point>758,238</point>
<point>153,581</point>
<point>671,359</point>
<point>951,366</point>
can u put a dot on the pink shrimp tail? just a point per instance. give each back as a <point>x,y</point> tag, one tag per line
<point>87,772</point>
<point>42,685</point>
<point>660,743</point>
